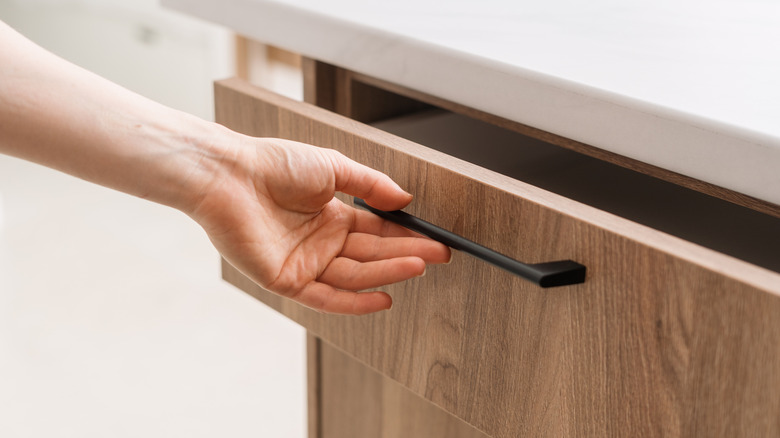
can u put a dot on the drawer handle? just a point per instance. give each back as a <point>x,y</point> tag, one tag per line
<point>549,274</point>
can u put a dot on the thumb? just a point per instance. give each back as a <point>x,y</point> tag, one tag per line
<point>376,188</point>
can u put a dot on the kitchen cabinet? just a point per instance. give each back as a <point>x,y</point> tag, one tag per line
<point>675,331</point>
<point>664,337</point>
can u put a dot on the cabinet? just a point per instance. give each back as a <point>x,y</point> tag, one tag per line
<point>665,337</point>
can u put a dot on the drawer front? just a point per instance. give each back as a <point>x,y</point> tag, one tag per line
<point>663,338</point>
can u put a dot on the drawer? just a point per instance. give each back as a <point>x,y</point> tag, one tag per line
<point>665,337</point>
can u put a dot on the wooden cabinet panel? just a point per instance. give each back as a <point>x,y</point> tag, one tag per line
<point>358,402</point>
<point>664,338</point>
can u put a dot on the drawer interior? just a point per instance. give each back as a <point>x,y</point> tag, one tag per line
<point>699,218</point>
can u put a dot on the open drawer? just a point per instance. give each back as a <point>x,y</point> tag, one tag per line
<point>665,337</point>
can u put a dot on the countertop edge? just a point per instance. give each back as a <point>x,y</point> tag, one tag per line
<point>703,149</point>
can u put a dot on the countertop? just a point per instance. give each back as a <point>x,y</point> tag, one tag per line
<point>692,87</point>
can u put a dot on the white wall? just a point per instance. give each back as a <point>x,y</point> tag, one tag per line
<point>158,53</point>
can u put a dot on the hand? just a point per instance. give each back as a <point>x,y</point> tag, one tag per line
<point>273,216</point>
<point>266,204</point>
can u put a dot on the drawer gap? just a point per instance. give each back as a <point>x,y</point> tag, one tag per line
<point>691,215</point>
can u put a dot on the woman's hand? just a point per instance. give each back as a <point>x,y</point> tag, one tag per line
<point>266,204</point>
<point>270,211</point>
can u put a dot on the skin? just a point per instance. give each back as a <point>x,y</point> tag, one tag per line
<point>266,204</point>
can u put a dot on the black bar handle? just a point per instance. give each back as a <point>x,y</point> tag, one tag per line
<point>559,273</point>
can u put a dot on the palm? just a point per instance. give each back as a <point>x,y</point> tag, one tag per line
<point>281,226</point>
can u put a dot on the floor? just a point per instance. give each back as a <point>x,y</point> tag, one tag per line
<point>114,322</point>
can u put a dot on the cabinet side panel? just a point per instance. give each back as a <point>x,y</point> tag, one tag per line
<point>314,385</point>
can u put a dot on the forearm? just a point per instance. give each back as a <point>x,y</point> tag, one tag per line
<point>266,204</point>
<point>64,117</point>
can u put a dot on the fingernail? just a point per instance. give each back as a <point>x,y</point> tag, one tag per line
<point>452,256</point>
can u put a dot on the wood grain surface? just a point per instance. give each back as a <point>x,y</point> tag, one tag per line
<point>314,385</point>
<point>358,402</point>
<point>665,338</point>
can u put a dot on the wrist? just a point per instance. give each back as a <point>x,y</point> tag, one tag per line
<point>205,157</point>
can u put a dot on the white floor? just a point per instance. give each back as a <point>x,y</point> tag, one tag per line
<point>113,319</point>
<point>114,322</point>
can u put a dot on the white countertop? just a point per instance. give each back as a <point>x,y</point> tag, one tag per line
<point>689,86</point>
